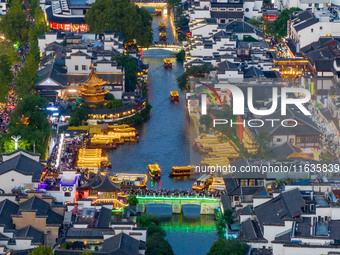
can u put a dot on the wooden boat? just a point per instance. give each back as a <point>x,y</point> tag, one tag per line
<point>134,181</point>
<point>154,170</point>
<point>174,96</point>
<point>162,37</point>
<point>203,182</point>
<point>182,171</point>
<point>167,63</point>
<point>161,27</point>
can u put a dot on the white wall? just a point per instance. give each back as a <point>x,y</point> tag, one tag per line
<point>14,179</point>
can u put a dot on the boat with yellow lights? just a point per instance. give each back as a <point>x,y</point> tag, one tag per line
<point>158,12</point>
<point>162,37</point>
<point>217,184</point>
<point>182,171</point>
<point>167,63</point>
<point>161,27</point>
<point>134,181</point>
<point>154,170</point>
<point>174,96</point>
<point>203,182</point>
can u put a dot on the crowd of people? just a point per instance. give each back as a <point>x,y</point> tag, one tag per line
<point>176,193</point>
<point>6,109</point>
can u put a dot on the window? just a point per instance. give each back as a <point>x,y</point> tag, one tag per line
<point>214,9</point>
<point>244,183</point>
<point>278,140</point>
<point>252,182</point>
<point>320,28</point>
<point>222,9</point>
<point>222,21</point>
<point>236,198</point>
<point>240,9</point>
<point>83,67</point>
<point>312,30</point>
<point>247,9</point>
<point>291,140</point>
<point>67,194</point>
<point>76,68</point>
<point>231,9</point>
<point>12,180</point>
<point>309,5</point>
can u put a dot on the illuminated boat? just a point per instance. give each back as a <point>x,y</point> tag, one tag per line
<point>203,182</point>
<point>167,63</point>
<point>158,12</point>
<point>161,26</point>
<point>217,184</point>
<point>154,170</point>
<point>174,96</point>
<point>162,37</point>
<point>181,171</point>
<point>134,181</point>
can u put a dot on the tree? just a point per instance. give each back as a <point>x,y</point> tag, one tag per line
<point>109,97</point>
<point>146,220</point>
<point>14,24</point>
<point>121,15</point>
<point>228,217</point>
<point>8,49</point>
<point>133,200</point>
<point>80,114</point>
<point>195,71</point>
<point>6,76</point>
<point>9,145</point>
<point>29,120</point>
<point>263,139</point>
<point>228,247</point>
<point>278,27</point>
<point>130,67</point>
<point>181,55</point>
<point>42,250</point>
<point>328,157</point>
<point>26,76</point>
<point>114,104</point>
<point>157,245</point>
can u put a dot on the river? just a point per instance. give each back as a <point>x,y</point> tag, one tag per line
<point>165,139</point>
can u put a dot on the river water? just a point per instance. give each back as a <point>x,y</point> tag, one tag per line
<point>165,139</point>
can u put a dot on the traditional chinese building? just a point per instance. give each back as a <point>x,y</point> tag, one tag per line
<point>92,91</point>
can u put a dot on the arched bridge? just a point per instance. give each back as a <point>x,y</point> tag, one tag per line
<point>207,204</point>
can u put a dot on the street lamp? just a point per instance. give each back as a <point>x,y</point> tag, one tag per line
<point>16,140</point>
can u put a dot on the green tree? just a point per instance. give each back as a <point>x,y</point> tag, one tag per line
<point>194,71</point>
<point>228,247</point>
<point>130,67</point>
<point>133,200</point>
<point>157,245</point>
<point>146,220</point>
<point>80,115</point>
<point>278,27</point>
<point>109,97</point>
<point>181,55</point>
<point>6,76</point>
<point>42,250</point>
<point>26,76</point>
<point>8,49</point>
<point>263,140</point>
<point>114,104</point>
<point>29,120</point>
<point>121,15</point>
<point>228,217</point>
<point>9,145</point>
<point>14,24</point>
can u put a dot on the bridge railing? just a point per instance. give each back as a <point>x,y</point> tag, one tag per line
<point>206,198</point>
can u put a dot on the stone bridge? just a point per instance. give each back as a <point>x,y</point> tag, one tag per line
<point>207,204</point>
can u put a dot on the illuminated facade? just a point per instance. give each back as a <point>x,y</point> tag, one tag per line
<point>92,91</point>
